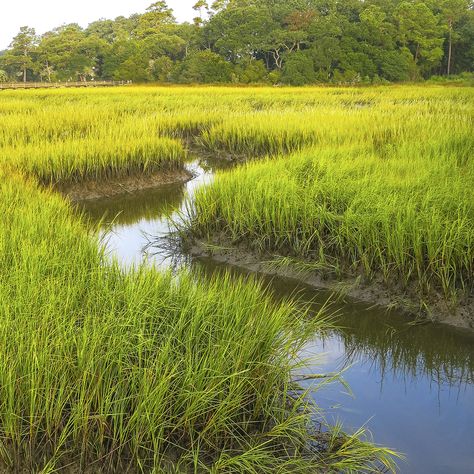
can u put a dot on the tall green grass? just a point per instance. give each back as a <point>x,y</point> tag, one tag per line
<point>385,191</point>
<point>408,218</point>
<point>98,158</point>
<point>380,123</point>
<point>139,371</point>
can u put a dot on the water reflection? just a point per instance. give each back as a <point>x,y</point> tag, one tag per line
<point>386,341</point>
<point>129,209</point>
<point>413,385</point>
<point>131,222</point>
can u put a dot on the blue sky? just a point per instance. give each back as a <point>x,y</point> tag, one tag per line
<point>44,15</point>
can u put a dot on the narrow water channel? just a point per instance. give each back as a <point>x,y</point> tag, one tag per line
<point>412,385</point>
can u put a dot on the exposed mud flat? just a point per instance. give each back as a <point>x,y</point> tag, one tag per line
<point>96,189</point>
<point>374,291</point>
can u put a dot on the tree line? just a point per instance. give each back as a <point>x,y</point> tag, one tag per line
<point>256,41</point>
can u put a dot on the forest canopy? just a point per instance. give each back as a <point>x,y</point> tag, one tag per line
<point>293,42</point>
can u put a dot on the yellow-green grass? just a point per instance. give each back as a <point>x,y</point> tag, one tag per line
<point>385,191</point>
<point>95,158</point>
<point>139,368</point>
<point>407,216</point>
<point>252,121</point>
<point>444,119</point>
<point>136,369</point>
<point>424,132</point>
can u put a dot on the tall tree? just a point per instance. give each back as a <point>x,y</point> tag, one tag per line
<point>419,31</point>
<point>202,8</point>
<point>465,44</point>
<point>69,54</point>
<point>295,41</point>
<point>20,53</point>
<point>157,16</point>
<point>452,11</point>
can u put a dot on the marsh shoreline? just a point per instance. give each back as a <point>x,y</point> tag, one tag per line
<point>374,291</point>
<point>434,308</point>
<point>102,188</point>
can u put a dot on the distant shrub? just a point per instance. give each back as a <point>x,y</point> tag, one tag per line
<point>252,72</point>
<point>465,78</point>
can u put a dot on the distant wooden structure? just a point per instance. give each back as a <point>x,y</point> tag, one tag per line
<point>58,85</point>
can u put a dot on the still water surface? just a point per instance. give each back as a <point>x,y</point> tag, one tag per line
<point>412,386</point>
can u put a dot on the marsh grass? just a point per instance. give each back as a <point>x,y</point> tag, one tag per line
<point>143,371</point>
<point>103,158</point>
<point>136,370</point>
<point>384,192</point>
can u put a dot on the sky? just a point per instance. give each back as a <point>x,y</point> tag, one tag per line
<point>43,15</point>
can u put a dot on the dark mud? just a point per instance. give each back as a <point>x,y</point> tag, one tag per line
<point>96,189</point>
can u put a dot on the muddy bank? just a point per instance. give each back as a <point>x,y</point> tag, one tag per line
<point>434,309</point>
<point>95,189</point>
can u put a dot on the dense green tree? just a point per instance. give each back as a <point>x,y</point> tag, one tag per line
<point>127,62</point>
<point>67,53</point>
<point>251,72</point>
<point>464,44</point>
<point>298,70</point>
<point>161,69</point>
<point>163,44</point>
<point>325,32</point>
<point>238,34</point>
<point>247,41</point>
<point>451,13</point>
<point>103,29</point>
<point>420,33</point>
<point>157,16</point>
<point>191,36</point>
